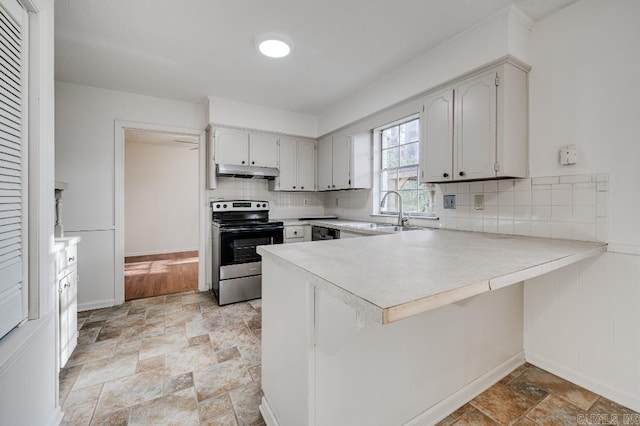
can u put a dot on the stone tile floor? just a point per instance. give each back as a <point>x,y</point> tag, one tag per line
<point>178,359</point>
<point>532,396</point>
<point>183,360</point>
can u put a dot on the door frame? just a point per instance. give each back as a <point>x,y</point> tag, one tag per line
<point>120,127</point>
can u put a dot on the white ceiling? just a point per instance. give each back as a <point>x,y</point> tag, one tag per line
<point>191,49</point>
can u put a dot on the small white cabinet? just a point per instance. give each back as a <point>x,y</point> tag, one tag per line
<point>239,147</point>
<point>67,291</point>
<point>344,162</point>
<point>477,128</point>
<point>297,233</point>
<point>297,166</point>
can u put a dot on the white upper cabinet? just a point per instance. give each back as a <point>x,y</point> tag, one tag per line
<point>231,146</point>
<point>263,150</point>
<point>325,163</point>
<point>341,158</point>
<point>307,165</point>
<point>477,128</point>
<point>243,148</point>
<point>475,136</point>
<point>436,124</point>
<point>297,166</point>
<point>344,162</point>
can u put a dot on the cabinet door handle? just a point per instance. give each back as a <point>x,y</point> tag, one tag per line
<point>302,187</point>
<point>445,175</point>
<point>462,174</point>
<point>242,161</point>
<point>295,232</point>
<point>253,162</point>
<point>71,259</point>
<point>333,186</point>
<point>328,186</point>
<point>294,187</point>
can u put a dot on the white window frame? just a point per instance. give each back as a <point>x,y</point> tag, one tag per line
<point>377,167</point>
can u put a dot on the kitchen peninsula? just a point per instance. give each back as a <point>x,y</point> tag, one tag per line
<point>395,329</point>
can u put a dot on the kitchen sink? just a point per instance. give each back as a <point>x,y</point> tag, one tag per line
<point>386,227</point>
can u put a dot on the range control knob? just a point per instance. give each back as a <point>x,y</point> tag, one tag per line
<point>217,206</point>
<point>264,205</point>
<point>224,206</point>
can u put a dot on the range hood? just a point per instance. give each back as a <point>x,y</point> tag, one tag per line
<point>247,171</point>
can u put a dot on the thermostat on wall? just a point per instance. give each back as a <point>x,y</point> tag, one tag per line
<point>568,155</point>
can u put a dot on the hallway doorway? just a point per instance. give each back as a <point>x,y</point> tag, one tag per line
<point>161,213</point>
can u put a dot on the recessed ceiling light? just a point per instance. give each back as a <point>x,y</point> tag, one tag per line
<point>274,45</point>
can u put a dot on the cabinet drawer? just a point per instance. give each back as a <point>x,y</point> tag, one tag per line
<point>71,257</point>
<point>294,231</point>
<point>294,240</point>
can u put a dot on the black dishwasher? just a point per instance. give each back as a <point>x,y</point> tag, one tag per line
<point>319,233</point>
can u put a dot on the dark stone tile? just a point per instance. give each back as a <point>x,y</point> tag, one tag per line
<point>554,411</point>
<point>199,340</point>
<point>529,390</point>
<point>475,418</point>
<point>95,324</point>
<point>552,384</point>
<point>502,404</point>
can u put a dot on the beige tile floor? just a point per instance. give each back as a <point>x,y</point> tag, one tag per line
<point>178,359</point>
<point>183,360</point>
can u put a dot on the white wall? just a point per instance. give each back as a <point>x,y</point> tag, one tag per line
<point>161,198</point>
<point>498,36</point>
<point>85,118</point>
<point>239,114</point>
<point>28,358</point>
<point>582,322</point>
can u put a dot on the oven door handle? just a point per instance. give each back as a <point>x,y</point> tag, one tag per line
<point>252,228</point>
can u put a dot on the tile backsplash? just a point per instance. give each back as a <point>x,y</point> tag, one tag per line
<point>572,207</point>
<point>283,205</point>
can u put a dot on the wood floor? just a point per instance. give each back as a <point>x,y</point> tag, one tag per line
<point>157,275</point>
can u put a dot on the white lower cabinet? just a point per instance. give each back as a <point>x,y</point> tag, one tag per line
<point>67,282</point>
<point>297,233</point>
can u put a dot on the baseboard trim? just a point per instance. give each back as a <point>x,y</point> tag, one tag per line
<point>96,305</point>
<point>454,401</point>
<point>156,252</point>
<point>56,418</point>
<point>267,413</point>
<point>580,379</point>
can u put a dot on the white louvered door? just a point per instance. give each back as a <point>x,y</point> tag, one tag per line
<point>13,293</point>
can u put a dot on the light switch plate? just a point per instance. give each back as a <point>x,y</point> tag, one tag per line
<point>478,202</point>
<point>449,202</point>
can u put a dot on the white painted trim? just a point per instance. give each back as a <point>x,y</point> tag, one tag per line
<point>106,303</point>
<point>119,239</point>
<point>624,249</point>
<point>267,413</point>
<point>456,400</point>
<point>203,213</point>
<point>615,395</point>
<point>56,418</point>
<point>156,252</point>
<point>17,342</point>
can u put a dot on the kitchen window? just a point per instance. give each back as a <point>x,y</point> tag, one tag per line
<point>399,165</point>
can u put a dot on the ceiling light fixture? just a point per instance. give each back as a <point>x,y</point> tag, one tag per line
<point>274,45</point>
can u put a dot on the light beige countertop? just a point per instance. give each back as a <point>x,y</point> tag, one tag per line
<point>392,277</point>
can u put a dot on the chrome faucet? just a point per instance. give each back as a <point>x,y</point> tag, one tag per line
<point>402,219</point>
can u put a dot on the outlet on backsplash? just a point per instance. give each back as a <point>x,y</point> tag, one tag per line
<point>337,202</point>
<point>305,202</point>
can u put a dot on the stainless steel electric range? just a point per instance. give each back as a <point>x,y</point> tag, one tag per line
<point>238,228</point>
